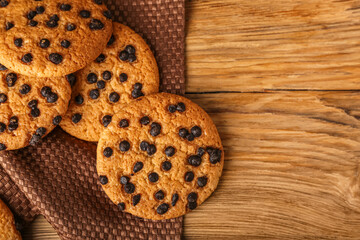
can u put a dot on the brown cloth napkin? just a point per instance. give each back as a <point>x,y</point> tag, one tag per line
<point>57,178</point>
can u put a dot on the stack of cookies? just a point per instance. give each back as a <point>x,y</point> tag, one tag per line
<point>66,63</point>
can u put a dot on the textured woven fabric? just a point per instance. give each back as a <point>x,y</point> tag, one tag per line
<point>57,178</point>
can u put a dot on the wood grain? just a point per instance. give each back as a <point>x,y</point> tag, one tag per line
<point>292,158</point>
<point>241,45</point>
<point>291,170</point>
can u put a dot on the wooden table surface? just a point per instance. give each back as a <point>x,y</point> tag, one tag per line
<point>281,80</point>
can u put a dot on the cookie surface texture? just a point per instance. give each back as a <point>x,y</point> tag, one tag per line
<point>125,71</point>
<point>160,157</point>
<point>30,107</point>
<point>7,224</point>
<point>52,38</point>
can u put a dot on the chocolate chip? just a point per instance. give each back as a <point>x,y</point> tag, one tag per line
<point>130,49</point>
<point>55,58</point>
<point>108,152</point>
<point>27,58</point>
<point>155,129</point>
<point>35,112</point>
<point>106,120</point>
<point>136,199</point>
<point>40,9</point>
<point>31,14</point>
<point>99,2</point>
<point>45,91</point>
<point>123,77</point>
<point>11,79</point>
<point>3,98</point>
<point>138,86</point>
<point>107,14</point>
<point>129,188</point>
<point>170,151</point>
<point>111,40</point>
<point>34,139</point>
<point>79,99</point>
<point>92,78</point>
<point>159,195</point>
<point>18,42</point>
<point>172,108</point>
<point>174,199</point>
<point>52,23</point>
<point>192,197</point>
<point>65,43</point>
<point>55,17</point>
<point>132,58</point>
<point>101,58</point>
<point>124,180</point>
<point>194,160</point>
<point>145,120</point>
<point>4,3</point>
<point>124,56</point>
<point>84,14</point>
<point>114,97</point>
<point>76,118</point>
<point>136,93</point>
<point>166,166</point>
<point>103,180</point>
<point>2,147</point>
<point>153,177</point>
<point>106,75</point>
<point>162,209</point>
<point>25,89</point>
<point>190,137</point>
<point>9,25</point>
<point>189,176</point>
<point>33,23</point>
<point>57,120</point>
<point>2,67</point>
<point>144,145</point>
<point>123,123</point>
<point>124,146</point>
<point>13,124</point>
<point>121,206</point>
<point>192,205</point>
<point>215,155</point>
<point>94,94</point>
<point>70,27</point>
<point>200,152</point>
<point>183,132</point>
<point>65,7</point>
<point>181,107</point>
<point>196,131</point>
<point>44,43</point>
<point>33,103</point>
<point>202,181</point>
<point>151,150</point>
<point>52,98</point>
<point>41,131</point>
<point>2,127</point>
<point>100,84</point>
<point>138,166</point>
<point>96,24</point>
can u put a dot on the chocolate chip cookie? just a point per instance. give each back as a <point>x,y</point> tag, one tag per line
<point>126,70</point>
<point>30,107</point>
<point>51,38</point>
<point>7,223</point>
<point>160,157</point>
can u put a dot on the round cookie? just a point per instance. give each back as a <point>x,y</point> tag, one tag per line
<point>30,108</point>
<point>51,38</point>
<point>160,157</point>
<point>7,224</point>
<point>125,71</point>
